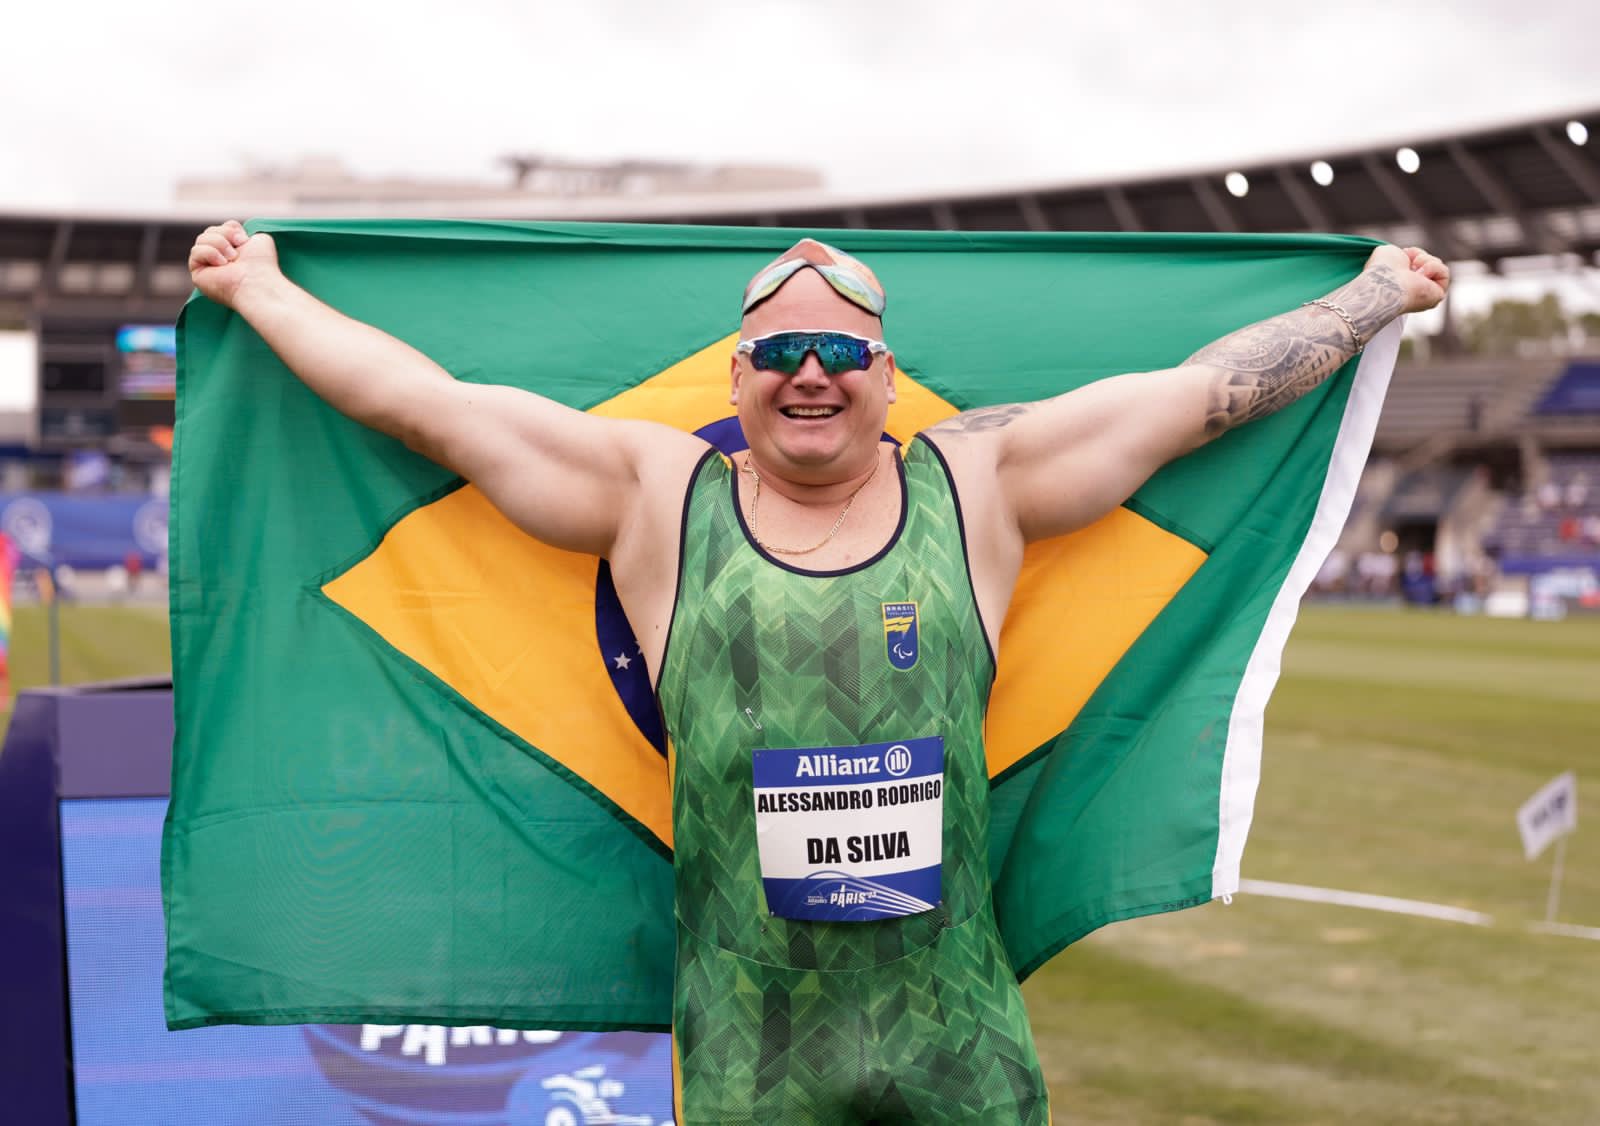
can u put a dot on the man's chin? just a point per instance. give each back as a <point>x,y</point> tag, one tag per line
<point>807,463</point>
<point>815,466</point>
<point>807,453</point>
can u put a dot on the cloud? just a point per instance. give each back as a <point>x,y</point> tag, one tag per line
<point>892,95</point>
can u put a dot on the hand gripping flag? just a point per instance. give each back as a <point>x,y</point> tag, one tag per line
<point>418,774</point>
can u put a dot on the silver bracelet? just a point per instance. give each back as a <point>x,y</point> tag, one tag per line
<point>1338,310</point>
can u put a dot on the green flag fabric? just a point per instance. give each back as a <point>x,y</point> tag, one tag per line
<point>419,776</point>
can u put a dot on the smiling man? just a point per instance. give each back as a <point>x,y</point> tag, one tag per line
<point>820,615</point>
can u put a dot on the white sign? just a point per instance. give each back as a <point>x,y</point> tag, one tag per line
<point>1550,813</point>
<point>19,372</point>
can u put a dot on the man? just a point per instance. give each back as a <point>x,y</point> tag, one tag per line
<point>836,951</point>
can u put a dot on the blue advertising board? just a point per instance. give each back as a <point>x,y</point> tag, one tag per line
<point>129,1070</point>
<point>82,797</point>
<point>86,532</point>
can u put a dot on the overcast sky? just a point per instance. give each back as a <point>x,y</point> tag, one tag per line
<point>106,105</point>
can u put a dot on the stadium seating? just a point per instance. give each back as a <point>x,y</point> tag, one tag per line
<point>1557,522</point>
<point>1461,396</point>
<point>1576,392</point>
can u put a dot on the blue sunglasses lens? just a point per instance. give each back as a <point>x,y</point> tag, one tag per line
<point>836,352</point>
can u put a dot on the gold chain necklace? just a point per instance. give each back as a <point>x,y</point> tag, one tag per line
<point>755,499</point>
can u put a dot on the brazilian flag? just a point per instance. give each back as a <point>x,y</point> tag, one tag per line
<point>419,775</point>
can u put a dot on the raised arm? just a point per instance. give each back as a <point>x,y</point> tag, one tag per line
<point>567,478</point>
<point>1060,464</point>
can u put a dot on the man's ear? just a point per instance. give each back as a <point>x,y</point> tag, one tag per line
<point>888,376</point>
<point>733,380</point>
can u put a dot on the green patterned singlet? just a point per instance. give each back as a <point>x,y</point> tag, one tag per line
<point>776,1020</point>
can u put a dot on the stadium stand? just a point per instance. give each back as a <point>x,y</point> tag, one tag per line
<point>1424,496</point>
<point>1554,524</point>
<point>1575,392</point>
<point>1468,397</point>
<point>1462,444</point>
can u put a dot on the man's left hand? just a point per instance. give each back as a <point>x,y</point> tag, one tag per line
<point>1423,278</point>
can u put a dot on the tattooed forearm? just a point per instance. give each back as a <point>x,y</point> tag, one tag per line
<point>984,418</point>
<point>1268,365</point>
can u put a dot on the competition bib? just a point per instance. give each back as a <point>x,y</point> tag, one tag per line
<point>851,834</point>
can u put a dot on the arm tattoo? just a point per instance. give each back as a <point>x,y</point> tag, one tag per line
<point>983,418</point>
<point>1268,365</point>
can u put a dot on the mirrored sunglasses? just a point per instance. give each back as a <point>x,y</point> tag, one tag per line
<point>837,352</point>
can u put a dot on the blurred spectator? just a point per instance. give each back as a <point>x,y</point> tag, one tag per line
<point>1577,491</point>
<point>1417,586</point>
<point>1483,576</point>
<point>133,564</point>
<point>1335,573</point>
<point>1376,571</point>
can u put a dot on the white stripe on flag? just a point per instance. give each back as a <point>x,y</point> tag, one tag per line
<point>1241,759</point>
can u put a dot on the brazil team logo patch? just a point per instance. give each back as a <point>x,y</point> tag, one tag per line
<point>900,633</point>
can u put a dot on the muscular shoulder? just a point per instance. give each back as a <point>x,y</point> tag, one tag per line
<point>975,442</point>
<point>977,423</point>
<point>644,557</point>
<point>994,542</point>
<point>967,445</point>
<point>663,459</point>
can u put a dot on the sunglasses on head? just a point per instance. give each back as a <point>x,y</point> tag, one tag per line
<point>847,282</point>
<point>837,352</point>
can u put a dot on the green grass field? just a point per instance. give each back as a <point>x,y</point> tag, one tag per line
<point>97,643</point>
<point>1398,748</point>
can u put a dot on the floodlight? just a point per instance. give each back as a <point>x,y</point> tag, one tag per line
<point>1322,172</point>
<point>1408,160</point>
<point>1237,184</point>
<point>1577,132</point>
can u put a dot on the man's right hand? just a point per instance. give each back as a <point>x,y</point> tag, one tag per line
<point>224,257</point>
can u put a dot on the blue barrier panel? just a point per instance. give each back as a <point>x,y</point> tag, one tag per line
<point>1576,392</point>
<point>87,532</point>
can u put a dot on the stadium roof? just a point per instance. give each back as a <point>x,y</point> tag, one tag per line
<point>1521,190</point>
